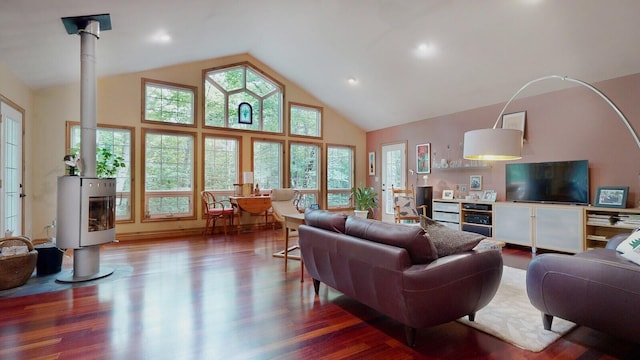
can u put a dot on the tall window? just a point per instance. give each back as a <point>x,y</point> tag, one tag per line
<point>169,103</point>
<point>221,163</point>
<point>305,120</point>
<point>340,175</point>
<point>267,163</point>
<point>304,163</point>
<point>226,88</point>
<point>119,141</point>
<point>168,174</point>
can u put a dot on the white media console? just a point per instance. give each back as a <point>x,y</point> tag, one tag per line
<point>566,228</point>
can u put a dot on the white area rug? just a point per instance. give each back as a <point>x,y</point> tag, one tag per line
<point>511,317</point>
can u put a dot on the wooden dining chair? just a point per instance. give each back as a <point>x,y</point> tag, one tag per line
<point>214,210</point>
<point>404,205</point>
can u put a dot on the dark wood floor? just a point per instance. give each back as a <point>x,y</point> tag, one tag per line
<point>220,297</point>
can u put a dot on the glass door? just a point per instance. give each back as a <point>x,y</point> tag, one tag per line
<point>394,173</point>
<point>11,190</point>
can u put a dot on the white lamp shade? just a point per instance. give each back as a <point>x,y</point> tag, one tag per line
<point>493,144</point>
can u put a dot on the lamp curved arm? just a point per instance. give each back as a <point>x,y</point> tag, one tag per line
<point>587,85</point>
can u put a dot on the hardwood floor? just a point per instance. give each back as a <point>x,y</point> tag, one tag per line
<point>226,297</point>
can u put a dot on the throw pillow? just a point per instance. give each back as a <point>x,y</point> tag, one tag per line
<point>488,244</point>
<point>449,241</point>
<point>630,247</point>
<point>405,205</point>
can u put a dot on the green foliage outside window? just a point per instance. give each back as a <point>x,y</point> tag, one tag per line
<point>169,104</point>
<point>168,168</point>
<point>220,163</point>
<point>305,120</point>
<point>304,166</point>
<point>225,89</point>
<point>339,176</point>
<point>267,164</point>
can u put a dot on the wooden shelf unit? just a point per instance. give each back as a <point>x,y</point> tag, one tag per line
<point>452,213</point>
<point>601,224</point>
<point>447,212</point>
<point>484,227</point>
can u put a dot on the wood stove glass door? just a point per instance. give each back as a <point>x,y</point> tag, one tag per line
<point>11,191</point>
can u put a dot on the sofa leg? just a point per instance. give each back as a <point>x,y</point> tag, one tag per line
<point>546,321</point>
<point>472,317</point>
<point>316,286</point>
<point>410,335</point>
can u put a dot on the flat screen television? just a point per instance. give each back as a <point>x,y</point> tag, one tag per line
<point>562,182</point>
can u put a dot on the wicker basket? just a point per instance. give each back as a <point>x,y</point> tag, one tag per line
<point>15,270</point>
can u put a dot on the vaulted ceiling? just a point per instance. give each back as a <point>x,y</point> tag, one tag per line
<point>473,53</point>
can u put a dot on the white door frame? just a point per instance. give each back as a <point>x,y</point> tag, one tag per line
<point>11,168</point>
<point>393,173</point>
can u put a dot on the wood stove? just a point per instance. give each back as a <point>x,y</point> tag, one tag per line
<point>86,211</point>
<point>86,217</point>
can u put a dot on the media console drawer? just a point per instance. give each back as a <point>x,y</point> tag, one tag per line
<point>445,216</point>
<point>446,206</point>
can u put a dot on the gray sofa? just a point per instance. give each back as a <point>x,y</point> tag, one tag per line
<point>395,269</point>
<point>597,288</point>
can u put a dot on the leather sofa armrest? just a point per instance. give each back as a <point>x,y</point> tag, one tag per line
<point>452,268</point>
<point>451,287</point>
<point>593,289</point>
<point>554,281</point>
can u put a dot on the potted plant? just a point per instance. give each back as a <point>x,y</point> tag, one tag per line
<point>107,162</point>
<point>365,198</point>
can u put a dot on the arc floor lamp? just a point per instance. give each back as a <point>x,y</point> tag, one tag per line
<point>506,144</point>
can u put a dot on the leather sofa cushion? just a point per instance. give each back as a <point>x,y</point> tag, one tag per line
<point>411,238</point>
<point>325,220</point>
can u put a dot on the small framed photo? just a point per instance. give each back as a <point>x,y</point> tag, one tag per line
<point>423,158</point>
<point>475,195</point>
<point>612,196</point>
<point>475,182</point>
<point>489,195</point>
<point>447,194</point>
<point>372,163</point>
<point>514,121</point>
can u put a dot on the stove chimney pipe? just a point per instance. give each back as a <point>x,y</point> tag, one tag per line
<point>88,95</point>
<point>86,255</point>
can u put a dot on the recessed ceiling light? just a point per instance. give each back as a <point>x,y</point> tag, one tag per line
<point>425,49</point>
<point>161,37</point>
<point>352,81</point>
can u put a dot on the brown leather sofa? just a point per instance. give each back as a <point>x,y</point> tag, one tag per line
<point>597,288</point>
<point>394,269</point>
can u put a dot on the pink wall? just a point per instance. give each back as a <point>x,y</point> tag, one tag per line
<point>570,124</point>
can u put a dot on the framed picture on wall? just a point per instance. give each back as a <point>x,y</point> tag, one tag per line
<point>372,163</point>
<point>423,158</point>
<point>514,121</point>
<point>475,182</point>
